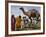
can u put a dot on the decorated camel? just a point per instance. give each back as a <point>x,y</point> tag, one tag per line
<point>31,13</point>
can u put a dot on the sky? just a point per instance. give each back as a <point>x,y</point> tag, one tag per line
<point>16,11</point>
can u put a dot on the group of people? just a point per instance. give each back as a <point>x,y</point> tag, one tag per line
<point>17,22</point>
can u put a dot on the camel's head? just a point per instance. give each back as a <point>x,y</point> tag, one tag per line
<point>21,8</point>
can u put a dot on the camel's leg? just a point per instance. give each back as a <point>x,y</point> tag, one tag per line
<point>30,19</point>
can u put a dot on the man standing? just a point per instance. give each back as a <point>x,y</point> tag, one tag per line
<point>18,23</point>
<point>12,23</point>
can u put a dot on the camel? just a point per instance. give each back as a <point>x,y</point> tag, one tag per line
<point>32,13</point>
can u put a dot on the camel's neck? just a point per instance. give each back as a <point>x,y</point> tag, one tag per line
<point>23,10</point>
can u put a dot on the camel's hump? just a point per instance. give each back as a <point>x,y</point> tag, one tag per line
<point>32,10</point>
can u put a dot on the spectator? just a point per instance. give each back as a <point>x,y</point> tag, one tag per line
<point>12,23</point>
<point>18,23</point>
